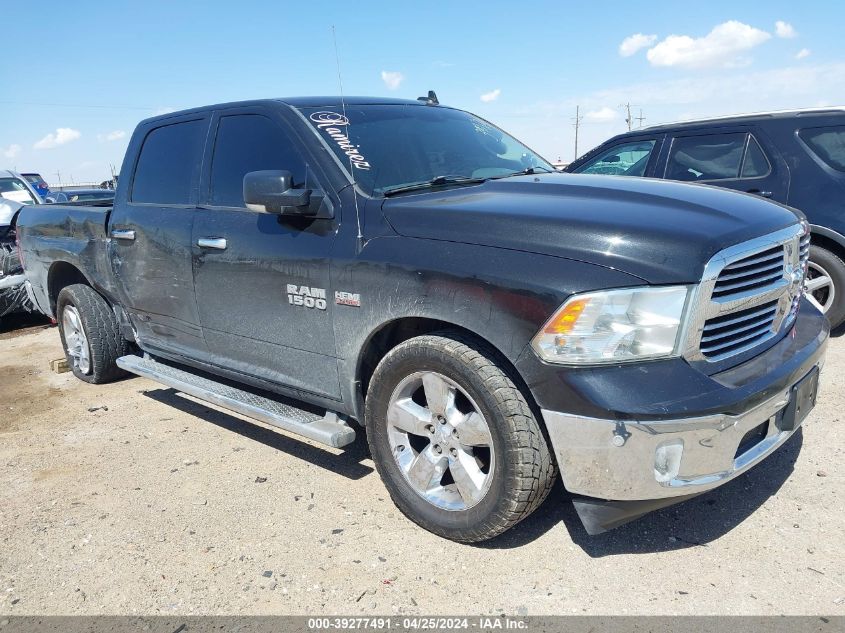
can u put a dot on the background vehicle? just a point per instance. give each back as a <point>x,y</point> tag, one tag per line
<point>38,183</point>
<point>79,195</point>
<point>796,158</point>
<point>14,186</point>
<point>13,295</point>
<point>310,262</point>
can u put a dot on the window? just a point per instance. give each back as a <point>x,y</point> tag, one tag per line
<point>386,147</point>
<point>828,143</point>
<point>628,159</point>
<point>246,143</point>
<point>167,164</point>
<point>15,189</point>
<point>755,165</point>
<point>716,157</point>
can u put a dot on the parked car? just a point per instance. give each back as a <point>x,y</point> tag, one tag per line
<point>13,295</point>
<point>795,157</point>
<point>411,271</point>
<point>14,186</point>
<point>38,183</point>
<point>79,195</point>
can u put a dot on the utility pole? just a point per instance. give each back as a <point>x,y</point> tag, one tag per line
<point>577,124</point>
<point>641,118</point>
<point>628,119</point>
<point>59,180</point>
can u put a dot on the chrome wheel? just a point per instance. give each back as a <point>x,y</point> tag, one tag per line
<point>818,287</point>
<point>440,441</point>
<point>77,343</point>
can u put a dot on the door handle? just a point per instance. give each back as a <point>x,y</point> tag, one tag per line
<point>123,234</point>
<point>218,243</point>
<point>764,194</point>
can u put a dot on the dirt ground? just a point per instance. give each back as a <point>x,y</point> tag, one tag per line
<point>132,499</point>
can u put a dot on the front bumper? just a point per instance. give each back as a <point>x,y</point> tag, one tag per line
<point>616,458</point>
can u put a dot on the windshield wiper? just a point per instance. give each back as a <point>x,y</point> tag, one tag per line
<point>528,171</point>
<point>437,181</point>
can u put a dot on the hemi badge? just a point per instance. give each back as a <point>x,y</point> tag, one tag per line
<point>347,299</point>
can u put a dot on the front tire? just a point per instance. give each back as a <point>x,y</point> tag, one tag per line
<point>825,284</point>
<point>454,440</point>
<point>90,335</point>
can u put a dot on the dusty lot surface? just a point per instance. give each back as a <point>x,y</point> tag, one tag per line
<point>132,499</point>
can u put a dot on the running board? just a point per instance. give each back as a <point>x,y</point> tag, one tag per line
<point>328,429</point>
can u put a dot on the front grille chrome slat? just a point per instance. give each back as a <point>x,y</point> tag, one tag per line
<point>756,334</point>
<point>748,294</point>
<point>765,321</point>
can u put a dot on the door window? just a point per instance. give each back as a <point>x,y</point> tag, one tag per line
<point>167,163</point>
<point>627,159</point>
<point>828,143</point>
<point>245,143</point>
<point>755,165</point>
<point>716,157</point>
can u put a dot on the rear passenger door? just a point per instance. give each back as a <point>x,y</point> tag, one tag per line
<point>246,262</point>
<point>738,158</point>
<point>150,230</point>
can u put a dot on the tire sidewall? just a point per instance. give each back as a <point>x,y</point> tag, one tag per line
<point>399,364</point>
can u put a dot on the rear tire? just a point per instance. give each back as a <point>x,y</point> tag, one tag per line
<point>90,335</point>
<point>826,283</point>
<point>484,467</point>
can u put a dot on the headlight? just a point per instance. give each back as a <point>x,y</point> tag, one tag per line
<point>614,326</point>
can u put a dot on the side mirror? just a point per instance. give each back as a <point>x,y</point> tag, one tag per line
<point>272,192</point>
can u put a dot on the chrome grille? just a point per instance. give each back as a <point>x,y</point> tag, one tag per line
<point>757,271</point>
<point>749,293</point>
<point>805,252</point>
<point>723,334</point>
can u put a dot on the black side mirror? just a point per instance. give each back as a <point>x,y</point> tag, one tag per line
<point>272,192</point>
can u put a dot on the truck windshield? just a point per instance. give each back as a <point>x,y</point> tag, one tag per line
<point>391,147</point>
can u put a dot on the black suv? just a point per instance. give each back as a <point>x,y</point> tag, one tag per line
<point>796,158</point>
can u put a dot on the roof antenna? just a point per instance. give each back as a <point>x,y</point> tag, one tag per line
<point>348,127</point>
<point>431,99</point>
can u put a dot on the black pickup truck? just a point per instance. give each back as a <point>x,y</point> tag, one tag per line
<point>410,270</point>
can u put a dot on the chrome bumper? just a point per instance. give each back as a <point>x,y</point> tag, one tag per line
<point>623,460</point>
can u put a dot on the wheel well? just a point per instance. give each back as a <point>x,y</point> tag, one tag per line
<point>828,244</point>
<point>400,330</point>
<point>62,275</point>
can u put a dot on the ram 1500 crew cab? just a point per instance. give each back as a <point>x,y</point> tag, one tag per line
<point>411,271</point>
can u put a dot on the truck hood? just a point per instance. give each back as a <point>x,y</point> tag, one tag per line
<point>660,231</point>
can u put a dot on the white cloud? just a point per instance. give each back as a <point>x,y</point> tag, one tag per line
<point>111,136</point>
<point>487,97</point>
<point>630,45</point>
<point>785,30</point>
<point>11,151</point>
<point>601,115</point>
<point>61,136</point>
<point>719,48</point>
<point>163,110</point>
<point>803,53</point>
<point>392,78</point>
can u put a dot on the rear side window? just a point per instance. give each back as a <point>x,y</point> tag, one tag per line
<point>627,159</point>
<point>716,157</point>
<point>828,143</point>
<point>169,158</point>
<point>245,143</point>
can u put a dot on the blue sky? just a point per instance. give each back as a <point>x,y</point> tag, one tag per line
<point>72,98</point>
